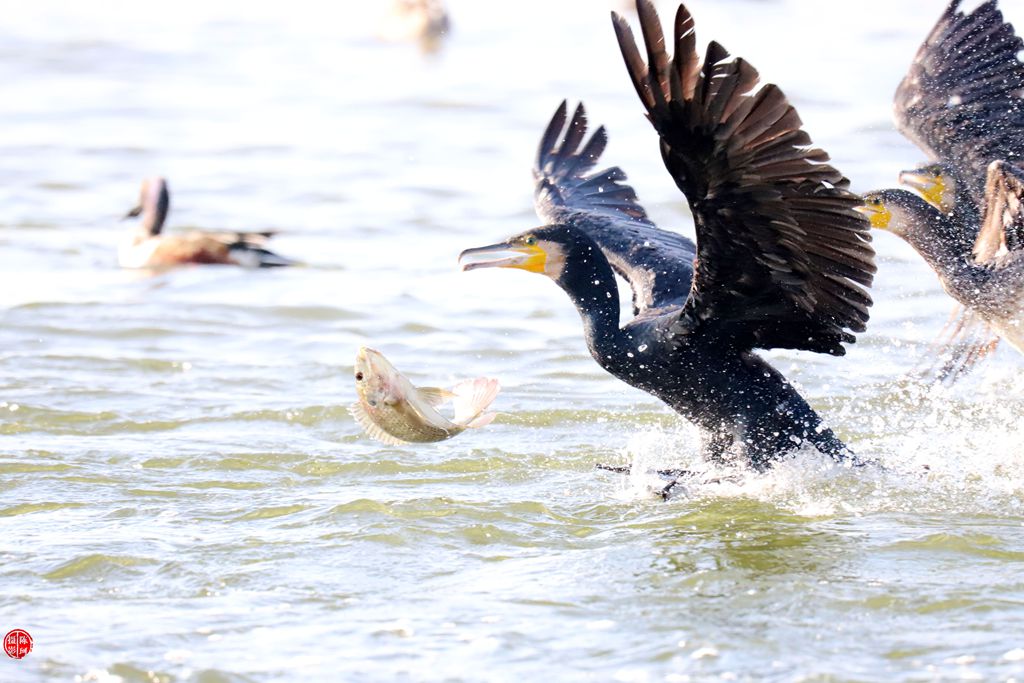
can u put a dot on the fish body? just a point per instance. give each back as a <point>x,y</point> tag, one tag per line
<point>390,409</point>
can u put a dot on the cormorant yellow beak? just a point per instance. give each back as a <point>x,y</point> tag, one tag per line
<point>931,186</point>
<point>876,212</point>
<point>529,257</point>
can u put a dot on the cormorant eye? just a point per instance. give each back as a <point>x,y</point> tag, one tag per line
<point>530,241</point>
<point>359,377</point>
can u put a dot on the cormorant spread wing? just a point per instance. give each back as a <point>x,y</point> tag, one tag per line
<point>1003,228</point>
<point>781,252</point>
<point>658,264</point>
<point>961,100</point>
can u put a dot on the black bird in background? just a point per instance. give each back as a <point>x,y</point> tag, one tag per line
<point>961,103</point>
<point>781,260</point>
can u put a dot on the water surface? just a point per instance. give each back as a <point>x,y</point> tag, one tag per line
<point>185,498</point>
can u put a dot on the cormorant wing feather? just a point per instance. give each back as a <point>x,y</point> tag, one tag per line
<point>658,264</point>
<point>781,252</point>
<point>961,99</point>
<point>1003,228</point>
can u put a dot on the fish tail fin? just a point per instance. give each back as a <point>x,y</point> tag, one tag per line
<point>482,420</point>
<point>471,398</point>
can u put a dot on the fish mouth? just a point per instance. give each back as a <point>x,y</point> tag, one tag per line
<point>365,352</point>
<point>504,255</point>
<point>369,361</point>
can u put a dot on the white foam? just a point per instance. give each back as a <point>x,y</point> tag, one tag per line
<point>928,449</point>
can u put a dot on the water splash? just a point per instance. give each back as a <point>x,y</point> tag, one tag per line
<point>928,449</point>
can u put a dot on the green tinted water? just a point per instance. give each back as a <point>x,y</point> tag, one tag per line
<point>184,497</point>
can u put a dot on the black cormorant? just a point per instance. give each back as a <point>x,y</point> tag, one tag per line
<point>781,260</point>
<point>961,103</point>
<point>990,284</point>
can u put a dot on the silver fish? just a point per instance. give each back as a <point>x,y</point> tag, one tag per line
<point>390,409</point>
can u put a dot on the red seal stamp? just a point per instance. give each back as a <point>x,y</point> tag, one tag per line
<point>17,643</point>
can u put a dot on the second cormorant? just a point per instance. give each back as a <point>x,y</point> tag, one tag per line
<point>960,102</point>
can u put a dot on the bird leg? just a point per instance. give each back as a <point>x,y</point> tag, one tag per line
<point>715,445</point>
<point>661,473</point>
<point>674,476</point>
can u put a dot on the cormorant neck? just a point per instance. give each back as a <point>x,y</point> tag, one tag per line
<point>966,214</point>
<point>942,245</point>
<point>590,283</point>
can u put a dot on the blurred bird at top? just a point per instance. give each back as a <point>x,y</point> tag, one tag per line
<point>422,21</point>
<point>961,103</point>
<point>147,246</point>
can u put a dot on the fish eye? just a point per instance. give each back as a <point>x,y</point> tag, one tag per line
<point>359,377</point>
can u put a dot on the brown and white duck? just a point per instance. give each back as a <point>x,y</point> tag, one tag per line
<point>147,246</point>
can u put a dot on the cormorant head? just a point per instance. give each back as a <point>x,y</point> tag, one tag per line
<point>936,184</point>
<point>900,212</point>
<point>154,202</point>
<point>549,250</point>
